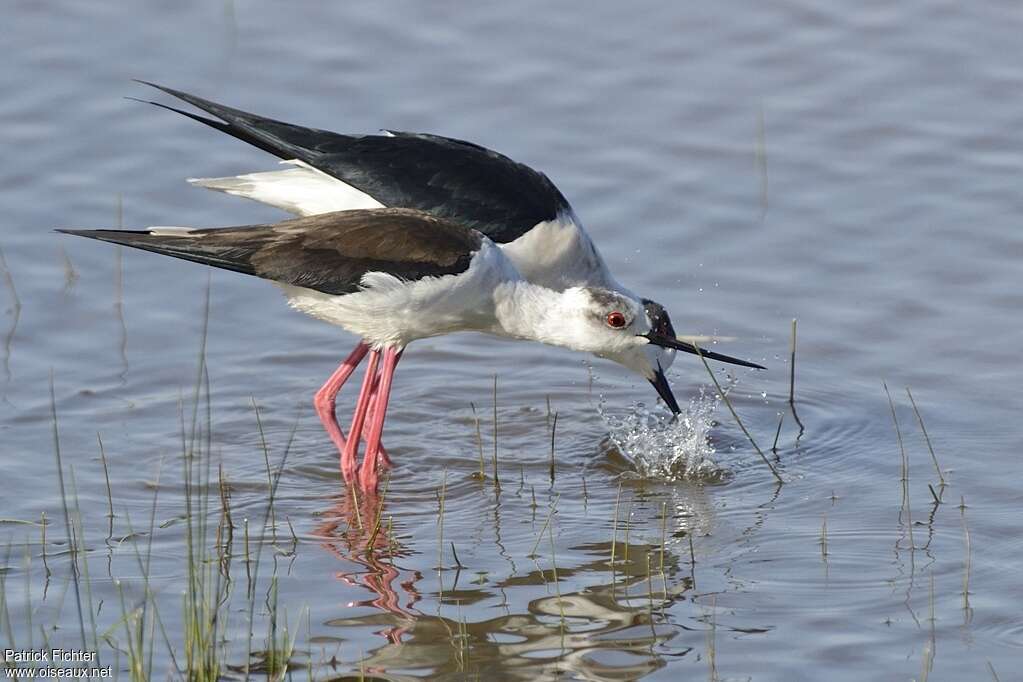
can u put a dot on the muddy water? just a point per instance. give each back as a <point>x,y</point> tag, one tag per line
<point>857,169</point>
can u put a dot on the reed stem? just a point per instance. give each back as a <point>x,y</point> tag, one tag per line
<point>792,381</point>
<point>738,421</point>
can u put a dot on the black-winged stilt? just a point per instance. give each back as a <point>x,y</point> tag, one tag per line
<point>403,236</point>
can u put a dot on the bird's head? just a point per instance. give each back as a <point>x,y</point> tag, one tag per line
<point>636,333</point>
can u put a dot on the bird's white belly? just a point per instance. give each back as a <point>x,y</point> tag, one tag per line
<point>389,311</point>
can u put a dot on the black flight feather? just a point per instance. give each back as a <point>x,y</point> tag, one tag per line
<point>449,178</point>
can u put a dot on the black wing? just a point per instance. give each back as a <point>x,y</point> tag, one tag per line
<point>456,180</point>
<point>329,252</point>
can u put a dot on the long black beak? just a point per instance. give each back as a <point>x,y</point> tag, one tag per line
<point>660,382</point>
<point>668,342</point>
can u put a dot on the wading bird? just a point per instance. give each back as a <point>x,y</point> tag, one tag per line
<point>403,236</point>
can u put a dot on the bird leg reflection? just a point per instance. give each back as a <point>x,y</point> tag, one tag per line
<point>365,540</point>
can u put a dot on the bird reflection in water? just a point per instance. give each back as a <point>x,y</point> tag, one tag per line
<point>604,631</point>
<point>355,531</point>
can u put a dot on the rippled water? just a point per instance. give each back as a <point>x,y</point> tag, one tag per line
<point>857,168</point>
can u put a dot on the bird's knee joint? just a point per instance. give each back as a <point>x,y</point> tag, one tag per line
<point>322,401</point>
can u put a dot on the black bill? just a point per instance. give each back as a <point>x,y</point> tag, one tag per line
<point>660,382</point>
<point>668,342</point>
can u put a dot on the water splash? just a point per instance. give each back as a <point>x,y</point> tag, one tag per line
<point>660,447</point>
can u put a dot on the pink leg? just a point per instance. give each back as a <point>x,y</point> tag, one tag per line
<point>368,473</point>
<point>348,457</point>
<point>325,398</point>
<point>338,436</point>
<point>384,459</point>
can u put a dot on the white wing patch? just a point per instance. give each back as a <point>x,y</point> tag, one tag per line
<point>302,190</point>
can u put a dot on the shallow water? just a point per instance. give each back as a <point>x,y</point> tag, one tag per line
<point>856,168</point>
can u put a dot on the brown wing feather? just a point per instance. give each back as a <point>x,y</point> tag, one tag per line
<point>329,252</point>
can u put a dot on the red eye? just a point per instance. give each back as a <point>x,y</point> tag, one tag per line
<point>616,320</point>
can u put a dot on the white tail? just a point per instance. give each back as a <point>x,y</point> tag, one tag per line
<point>302,190</point>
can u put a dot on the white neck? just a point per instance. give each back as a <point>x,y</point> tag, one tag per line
<point>529,311</point>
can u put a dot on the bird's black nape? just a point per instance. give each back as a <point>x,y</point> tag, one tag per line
<point>677,344</point>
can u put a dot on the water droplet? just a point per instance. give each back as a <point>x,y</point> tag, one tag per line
<point>664,448</point>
